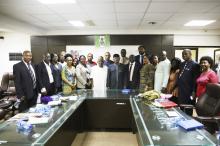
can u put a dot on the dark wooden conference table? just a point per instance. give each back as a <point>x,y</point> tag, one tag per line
<point>110,110</point>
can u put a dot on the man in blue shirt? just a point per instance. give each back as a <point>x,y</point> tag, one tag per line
<point>107,60</point>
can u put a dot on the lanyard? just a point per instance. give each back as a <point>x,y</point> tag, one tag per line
<point>184,68</point>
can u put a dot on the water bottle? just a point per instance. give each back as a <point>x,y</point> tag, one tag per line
<point>218,138</point>
<point>24,127</point>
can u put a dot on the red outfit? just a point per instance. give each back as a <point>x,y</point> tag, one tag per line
<point>205,78</point>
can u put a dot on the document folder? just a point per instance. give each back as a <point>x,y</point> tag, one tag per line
<point>190,124</point>
<point>168,104</point>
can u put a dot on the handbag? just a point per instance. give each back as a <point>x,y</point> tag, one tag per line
<point>89,84</point>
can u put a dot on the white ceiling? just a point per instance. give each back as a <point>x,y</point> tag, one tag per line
<point>114,14</point>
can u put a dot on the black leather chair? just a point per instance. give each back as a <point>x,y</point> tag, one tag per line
<point>7,94</point>
<point>7,88</point>
<point>2,114</point>
<point>208,108</point>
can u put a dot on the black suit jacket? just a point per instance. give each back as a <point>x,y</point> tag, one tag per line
<point>112,82</point>
<point>137,60</point>
<point>43,78</point>
<point>23,81</point>
<point>136,76</point>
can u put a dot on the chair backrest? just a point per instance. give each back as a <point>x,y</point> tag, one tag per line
<point>7,83</point>
<point>209,103</point>
<point>11,84</point>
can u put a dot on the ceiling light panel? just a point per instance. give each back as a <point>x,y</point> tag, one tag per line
<point>199,22</point>
<point>77,23</point>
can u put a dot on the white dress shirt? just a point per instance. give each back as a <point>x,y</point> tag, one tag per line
<point>132,70</point>
<point>49,72</point>
<point>162,75</point>
<point>32,69</point>
<point>99,76</point>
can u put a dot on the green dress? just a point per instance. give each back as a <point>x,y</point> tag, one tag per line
<point>70,75</point>
<point>147,77</point>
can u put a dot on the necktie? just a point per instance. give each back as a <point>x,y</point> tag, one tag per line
<point>130,74</point>
<point>130,67</point>
<point>32,75</point>
<point>184,68</point>
<point>141,60</point>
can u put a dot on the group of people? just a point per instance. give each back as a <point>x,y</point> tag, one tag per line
<point>184,80</point>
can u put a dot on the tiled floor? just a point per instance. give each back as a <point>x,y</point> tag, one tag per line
<point>105,139</point>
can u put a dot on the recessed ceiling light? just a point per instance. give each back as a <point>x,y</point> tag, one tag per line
<point>57,1</point>
<point>152,23</point>
<point>199,22</point>
<point>77,23</point>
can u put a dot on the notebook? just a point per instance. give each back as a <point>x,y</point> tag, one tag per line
<point>168,104</point>
<point>190,124</point>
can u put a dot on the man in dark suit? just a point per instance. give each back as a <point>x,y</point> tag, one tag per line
<point>189,72</point>
<point>133,73</point>
<point>45,76</point>
<point>25,82</point>
<point>139,58</point>
<point>116,77</point>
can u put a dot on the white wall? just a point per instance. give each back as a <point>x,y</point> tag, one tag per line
<point>85,49</point>
<point>13,42</point>
<point>196,40</point>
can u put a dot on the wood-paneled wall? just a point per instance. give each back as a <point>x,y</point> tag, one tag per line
<point>153,43</point>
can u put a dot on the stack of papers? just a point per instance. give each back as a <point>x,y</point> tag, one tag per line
<point>32,118</point>
<point>172,114</point>
<point>190,124</point>
<point>54,103</point>
<point>38,120</point>
<point>65,98</point>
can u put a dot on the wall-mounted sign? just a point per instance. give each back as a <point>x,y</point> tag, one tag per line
<point>15,56</point>
<point>102,41</point>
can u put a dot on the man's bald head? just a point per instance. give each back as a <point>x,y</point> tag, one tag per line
<point>187,54</point>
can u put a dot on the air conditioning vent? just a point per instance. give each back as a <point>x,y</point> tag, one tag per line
<point>90,23</point>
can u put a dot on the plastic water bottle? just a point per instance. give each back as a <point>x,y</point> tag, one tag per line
<point>218,138</point>
<point>24,127</point>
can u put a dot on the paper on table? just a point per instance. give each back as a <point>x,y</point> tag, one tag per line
<point>53,103</point>
<point>41,120</point>
<point>172,114</point>
<point>24,116</point>
<point>72,97</point>
<point>68,98</point>
<point>157,104</point>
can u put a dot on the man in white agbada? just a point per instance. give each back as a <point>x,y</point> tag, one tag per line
<point>99,76</point>
<point>162,73</point>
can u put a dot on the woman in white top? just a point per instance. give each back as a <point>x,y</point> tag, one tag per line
<point>83,74</point>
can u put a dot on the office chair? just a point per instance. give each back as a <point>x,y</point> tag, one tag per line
<point>7,94</point>
<point>7,87</point>
<point>2,114</point>
<point>208,108</point>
